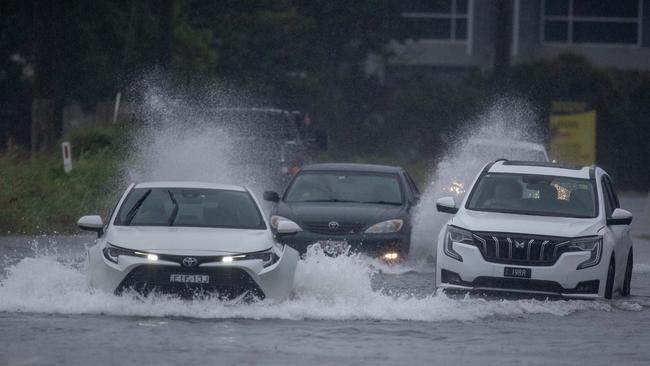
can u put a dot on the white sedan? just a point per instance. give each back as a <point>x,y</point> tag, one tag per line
<point>190,239</point>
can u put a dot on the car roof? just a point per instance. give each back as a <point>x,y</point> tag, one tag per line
<point>348,167</point>
<point>182,184</point>
<point>540,168</point>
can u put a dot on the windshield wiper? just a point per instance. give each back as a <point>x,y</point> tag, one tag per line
<point>383,203</point>
<point>330,200</point>
<point>131,214</point>
<point>172,217</point>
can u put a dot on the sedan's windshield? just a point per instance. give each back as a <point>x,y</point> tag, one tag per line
<point>534,195</point>
<point>190,207</point>
<point>345,187</point>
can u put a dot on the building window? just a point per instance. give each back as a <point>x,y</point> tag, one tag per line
<point>436,19</point>
<point>592,21</point>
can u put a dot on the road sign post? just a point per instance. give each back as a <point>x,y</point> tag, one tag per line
<point>67,156</point>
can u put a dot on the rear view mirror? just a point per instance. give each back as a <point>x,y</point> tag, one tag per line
<point>91,223</point>
<point>446,205</point>
<point>287,227</point>
<point>271,196</point>
<point>620,217</point>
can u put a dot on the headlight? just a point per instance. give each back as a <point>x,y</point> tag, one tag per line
<point>456,235</point>
<point>592,244</point>
<point>268,257</point>
<point>275,219</point>
<point>385,227</point>
<point>113,253</point>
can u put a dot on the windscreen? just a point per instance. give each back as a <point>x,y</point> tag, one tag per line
<point>345,187</point>
<point>534,195</point>
<point>190,207</point>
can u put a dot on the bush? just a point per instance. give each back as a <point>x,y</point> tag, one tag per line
<point>36,196</point>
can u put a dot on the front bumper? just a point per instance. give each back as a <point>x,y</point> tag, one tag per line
<point>560,279</point>
<point>375,245</point>
<point>227,280</point>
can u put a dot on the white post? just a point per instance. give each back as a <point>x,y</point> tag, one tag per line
<point>67,156</point>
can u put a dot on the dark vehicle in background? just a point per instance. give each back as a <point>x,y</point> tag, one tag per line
<point>268,141</point>
<point>357,207</point>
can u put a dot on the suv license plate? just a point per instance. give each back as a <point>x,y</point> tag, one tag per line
<point>184,278</point>
<point>516,272</point>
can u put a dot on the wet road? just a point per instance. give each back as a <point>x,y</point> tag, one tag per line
<point>350,310</point>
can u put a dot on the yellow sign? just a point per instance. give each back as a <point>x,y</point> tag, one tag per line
<point>573,138</point>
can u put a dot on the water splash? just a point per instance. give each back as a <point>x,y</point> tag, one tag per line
<point>183,138</point>
<point>505,120</point>
<point>326,288</point>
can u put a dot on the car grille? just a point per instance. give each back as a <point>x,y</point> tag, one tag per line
<point>325,229</point>
<point>520,249</point>
<point>226,283</point>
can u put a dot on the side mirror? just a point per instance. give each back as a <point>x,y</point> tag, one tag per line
<point>446,205</point>
<point>271,196</point>
<point>91,223</point>
<point>620,217</point>
<point>287,227</point>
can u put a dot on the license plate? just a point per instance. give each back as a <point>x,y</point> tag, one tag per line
<point>185,278</point>
<point>516,272</point>
<point>334,246</point>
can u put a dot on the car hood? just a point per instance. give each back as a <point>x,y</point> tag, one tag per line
<point>368,214</point>
<point>190,240</point>
<point>525,224</point>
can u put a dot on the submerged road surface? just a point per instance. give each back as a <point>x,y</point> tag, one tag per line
<point>349,310</point>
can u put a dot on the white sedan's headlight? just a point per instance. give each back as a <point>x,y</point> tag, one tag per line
<point>268,257</point>
<point>275,219</point>
<point>385,227</point>
<point>113,253</point>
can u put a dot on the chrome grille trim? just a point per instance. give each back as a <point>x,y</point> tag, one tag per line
<point>522,249</point>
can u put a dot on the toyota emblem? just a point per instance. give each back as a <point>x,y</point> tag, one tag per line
<point>190,262</point>
<point>333,225</point>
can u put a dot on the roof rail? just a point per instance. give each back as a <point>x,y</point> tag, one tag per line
<point>487,166</point>
<point>592,171</point>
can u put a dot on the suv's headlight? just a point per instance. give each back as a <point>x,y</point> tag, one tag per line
<point>113,253</point>
<point>276,218</point>
<point>456,235</point>
<point>268,257</point>
<point>592,244</point>
<point>385,227</point>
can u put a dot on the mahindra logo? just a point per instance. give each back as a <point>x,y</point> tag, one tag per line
<point>333,225</point>
<point>190,262</point>
<point>520,244</point>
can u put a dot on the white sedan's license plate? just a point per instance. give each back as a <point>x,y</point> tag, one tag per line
<point>184,278</point>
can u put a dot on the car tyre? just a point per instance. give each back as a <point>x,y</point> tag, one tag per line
<point>609,285</point>
<point>627,283</point>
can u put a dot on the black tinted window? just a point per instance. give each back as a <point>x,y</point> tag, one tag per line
<point>345,187</point>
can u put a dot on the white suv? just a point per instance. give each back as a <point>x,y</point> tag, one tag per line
<point>537,227</point>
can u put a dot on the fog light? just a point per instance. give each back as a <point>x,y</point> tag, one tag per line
<point>227,259</point>
<point>450,277</point>
<point>391,256</point>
